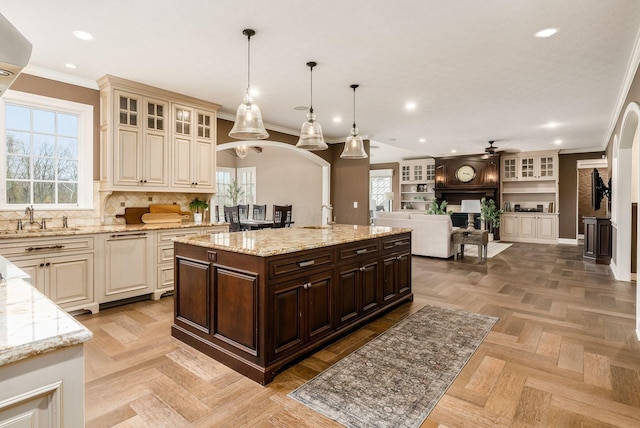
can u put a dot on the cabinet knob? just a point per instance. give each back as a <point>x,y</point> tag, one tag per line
<point>47,264</point>
<point>41,265</point>
<point>140,181</point>
<point>306,285</point>
<point>362,269</point>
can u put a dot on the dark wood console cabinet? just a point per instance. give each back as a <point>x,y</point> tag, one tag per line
<point>597,240</point>
<point>256,314</point>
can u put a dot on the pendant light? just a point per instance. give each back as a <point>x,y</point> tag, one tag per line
<point>242,151</point>
<point>353,146</point>
<point>248,125</point>
<point>311,133</point>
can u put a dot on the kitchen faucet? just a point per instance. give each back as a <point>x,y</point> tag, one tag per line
<point>329,219</point>
<point>29,210</point>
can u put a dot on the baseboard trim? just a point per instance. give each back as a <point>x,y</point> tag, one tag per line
<point>567,241</point>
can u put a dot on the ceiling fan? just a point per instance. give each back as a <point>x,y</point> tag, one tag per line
<point>490,150</point>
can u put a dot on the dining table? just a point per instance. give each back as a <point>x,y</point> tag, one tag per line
<point>251,224</point>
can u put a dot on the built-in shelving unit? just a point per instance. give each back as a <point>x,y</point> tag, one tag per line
<point>417,182</point>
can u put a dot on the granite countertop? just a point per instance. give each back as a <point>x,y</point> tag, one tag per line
<point>30,323</point>
<point>58,231</point>
<point>270,242</point>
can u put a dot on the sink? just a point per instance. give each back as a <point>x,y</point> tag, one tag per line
<point>50,230</point>
<point>316,227</point>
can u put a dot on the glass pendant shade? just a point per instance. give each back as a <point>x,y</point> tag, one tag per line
<point>311,135</point>
<point>354,146</point>
<point>242,151</point>
<point>248,124</point>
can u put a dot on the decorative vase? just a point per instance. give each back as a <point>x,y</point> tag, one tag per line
<point>197,217</point>
<point>490,237</point>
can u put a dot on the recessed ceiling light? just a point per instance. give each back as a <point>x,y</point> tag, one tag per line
<point>83,35</point>
<point>337,119</point>
<point>551,125</point>
<point>557,142</point>
<point>410,106</point>
<point>547,32</point>
<point>454,151</point>
<point>422,140</point>
<point>71,66</point>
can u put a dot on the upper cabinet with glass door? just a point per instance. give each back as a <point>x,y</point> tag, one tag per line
<point>417,171</point>
<point>531,166</point>
<point>155,140</point>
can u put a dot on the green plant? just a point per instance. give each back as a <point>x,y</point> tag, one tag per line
<point>490,214</point>
<point>234,192</point>
<point>434,208</point>
<point>196,205</point>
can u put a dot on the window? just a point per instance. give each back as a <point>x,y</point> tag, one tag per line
<point>244,188</point>
<point>379,184</point>
<point>47,156</point>
<point>247,182</point>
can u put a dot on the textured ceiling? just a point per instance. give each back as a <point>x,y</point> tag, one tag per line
<point>472,67</point>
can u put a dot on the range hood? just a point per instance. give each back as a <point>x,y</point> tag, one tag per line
<point>15,52</point>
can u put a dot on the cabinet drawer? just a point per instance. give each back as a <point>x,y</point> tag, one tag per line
<point>397,243</point>
<point>360,249</point>
<point>299,263</point>
<point>35,246</point>
<point>167,236</point>
<point>164,277</point>
<point>215,229</point>
<point>164,254</point>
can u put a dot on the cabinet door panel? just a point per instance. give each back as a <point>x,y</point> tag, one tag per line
<point>156,163</point>
<point>389,278</point>
<point>286,302</point>
<point>403,263</point>
<point>126,266</point>
<point>319,304</point>
<point>35,269</point>
<point>546,228</point>
<point>182,162</point>
<point>204,163</point>
<point>236,310</point>
<point>370,291</point>
<point>127,157</point>
<point>193,297</point>
<point>70,279</point>
<point>527,226</point>
<point>347,294</point>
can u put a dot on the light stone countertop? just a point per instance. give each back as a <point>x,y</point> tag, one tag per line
<point>30,323</point>
<point>270,242</point>
<point>84,230</point>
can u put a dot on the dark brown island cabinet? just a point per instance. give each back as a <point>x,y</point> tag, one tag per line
<point>258,300</point>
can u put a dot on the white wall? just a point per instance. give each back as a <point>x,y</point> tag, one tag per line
<point>635,155</point>
<point>283,177</point>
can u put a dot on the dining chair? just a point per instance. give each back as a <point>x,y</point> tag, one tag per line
<point>259,212</point>
<point>244,211</point>
<point>216,213</point>
<point>232,216</point>
<point>280,215</point>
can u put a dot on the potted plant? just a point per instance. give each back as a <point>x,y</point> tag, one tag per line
<point>490,215</point>
<point>234,192</point>
<point>434,208</point>
<point>198,207</point>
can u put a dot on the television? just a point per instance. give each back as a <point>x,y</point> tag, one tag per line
<point>598,189</point>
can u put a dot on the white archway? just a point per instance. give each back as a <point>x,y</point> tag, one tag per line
<point>621,262</point>
<point>326,166</point>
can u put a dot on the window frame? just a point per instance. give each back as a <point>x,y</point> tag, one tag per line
<point>85,147</point>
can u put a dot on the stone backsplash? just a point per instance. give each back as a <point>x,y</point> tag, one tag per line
<point>114,204</point>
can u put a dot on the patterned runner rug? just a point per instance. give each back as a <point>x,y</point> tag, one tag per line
<point>396,379</point>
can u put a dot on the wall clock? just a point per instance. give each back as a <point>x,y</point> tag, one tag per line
<point>465,173</point>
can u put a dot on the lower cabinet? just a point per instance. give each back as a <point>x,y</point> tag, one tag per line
<point>127,267</point>
<point>256,314</point>
<point>529,227</point>
<point>61,268</point>
<point>358,290</point>
<point>301,311</point>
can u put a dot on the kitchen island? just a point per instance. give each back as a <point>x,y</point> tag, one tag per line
<point>258,300</point>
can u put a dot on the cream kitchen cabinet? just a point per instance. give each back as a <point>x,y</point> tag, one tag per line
<point>530,166</point>
<point>61,268</point>
<point>128,268</point>
<point>164,279</point>
<point>417,171</point>
<point>529,227</point>
<point>141,146</point>
<point>194,152</point>
<point>155,140</point>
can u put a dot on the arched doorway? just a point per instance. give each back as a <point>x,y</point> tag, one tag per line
<point>323,164</point>
<point>623,167</point>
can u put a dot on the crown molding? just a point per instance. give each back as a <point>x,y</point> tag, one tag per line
<point>60,77</point>
<point>582,150</point>
<point>632,70</point>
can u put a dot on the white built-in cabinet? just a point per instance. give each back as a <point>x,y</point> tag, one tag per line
<point>155,140</point>
<point>61,268</point>
<point>529,195</point>
<point>417,182</point>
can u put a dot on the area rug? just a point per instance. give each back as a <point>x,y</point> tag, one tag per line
<point>396,379</point>
<point>493,249</point>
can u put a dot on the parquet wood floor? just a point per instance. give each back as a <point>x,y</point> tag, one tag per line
<point>563,354</point>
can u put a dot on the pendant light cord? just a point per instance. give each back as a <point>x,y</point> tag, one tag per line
<point>311,101</point>
<point>248,62</point>
<point>354,105</point>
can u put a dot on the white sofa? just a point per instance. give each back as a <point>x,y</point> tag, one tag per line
<point>431,234</point>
